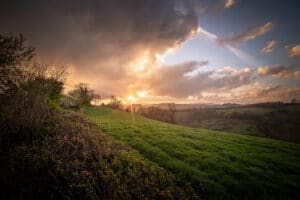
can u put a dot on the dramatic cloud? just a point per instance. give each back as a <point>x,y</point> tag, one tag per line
<point>250,34</point>
<point>107,43</point>
<point>294,51</point>
<point>178,81</point>
<point>118,47</point>
<point>276,71</point>
<point>191,82</point>
<point>269,47</point>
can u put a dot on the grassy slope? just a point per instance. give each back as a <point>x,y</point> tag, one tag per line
<point>229,166</point>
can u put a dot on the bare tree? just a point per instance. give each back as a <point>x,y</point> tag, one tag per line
<point>293,100</point>
<point>82,95</point>
<point>114,102</point>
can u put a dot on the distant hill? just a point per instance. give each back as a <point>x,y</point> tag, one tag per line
<point>191,106</point>
<point>271,119</point>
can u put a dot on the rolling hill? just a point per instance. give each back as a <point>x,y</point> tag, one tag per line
<point>218,165</point>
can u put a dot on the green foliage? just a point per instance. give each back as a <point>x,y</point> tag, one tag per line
<point>217,165</point>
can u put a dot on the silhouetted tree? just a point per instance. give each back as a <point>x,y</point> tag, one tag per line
<point>13,50</point>
<point>293,100</point>
<point>114,102</point>
<point>27,91</point>
<point>82,95</point>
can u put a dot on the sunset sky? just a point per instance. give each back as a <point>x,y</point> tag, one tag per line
<point>151,51</point>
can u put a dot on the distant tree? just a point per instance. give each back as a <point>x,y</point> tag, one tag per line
<point>293,100</point>
<point>97,99</point>
<point>114,102</point>
<point>82,95</point>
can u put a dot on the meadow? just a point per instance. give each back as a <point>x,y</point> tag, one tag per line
<point>217,165</point>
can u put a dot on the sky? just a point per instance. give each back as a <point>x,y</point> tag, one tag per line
<point>153,51</point>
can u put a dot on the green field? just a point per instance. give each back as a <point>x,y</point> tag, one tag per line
<point>218,165</point>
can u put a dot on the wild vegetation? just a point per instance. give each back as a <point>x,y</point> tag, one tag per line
<point>47,152</point>
<point>217,165</point>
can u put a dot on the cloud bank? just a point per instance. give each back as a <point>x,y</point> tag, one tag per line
<point>278,71</point>
<point>179,81</point>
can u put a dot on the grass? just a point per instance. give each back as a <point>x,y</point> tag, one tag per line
<point>217,165</point>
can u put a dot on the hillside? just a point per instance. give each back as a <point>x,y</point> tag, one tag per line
<point>270,120</point>
<point>218,165</point>
<point>277,121</point>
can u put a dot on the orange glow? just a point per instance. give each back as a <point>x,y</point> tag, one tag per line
<point>142,93</point>
<point>142,63</point>
<point>131,99</point>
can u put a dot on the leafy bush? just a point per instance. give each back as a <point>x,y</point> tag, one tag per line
<point>82,95</point>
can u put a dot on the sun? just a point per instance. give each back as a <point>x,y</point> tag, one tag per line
<point>131,99</point>
<point>142,93</point>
